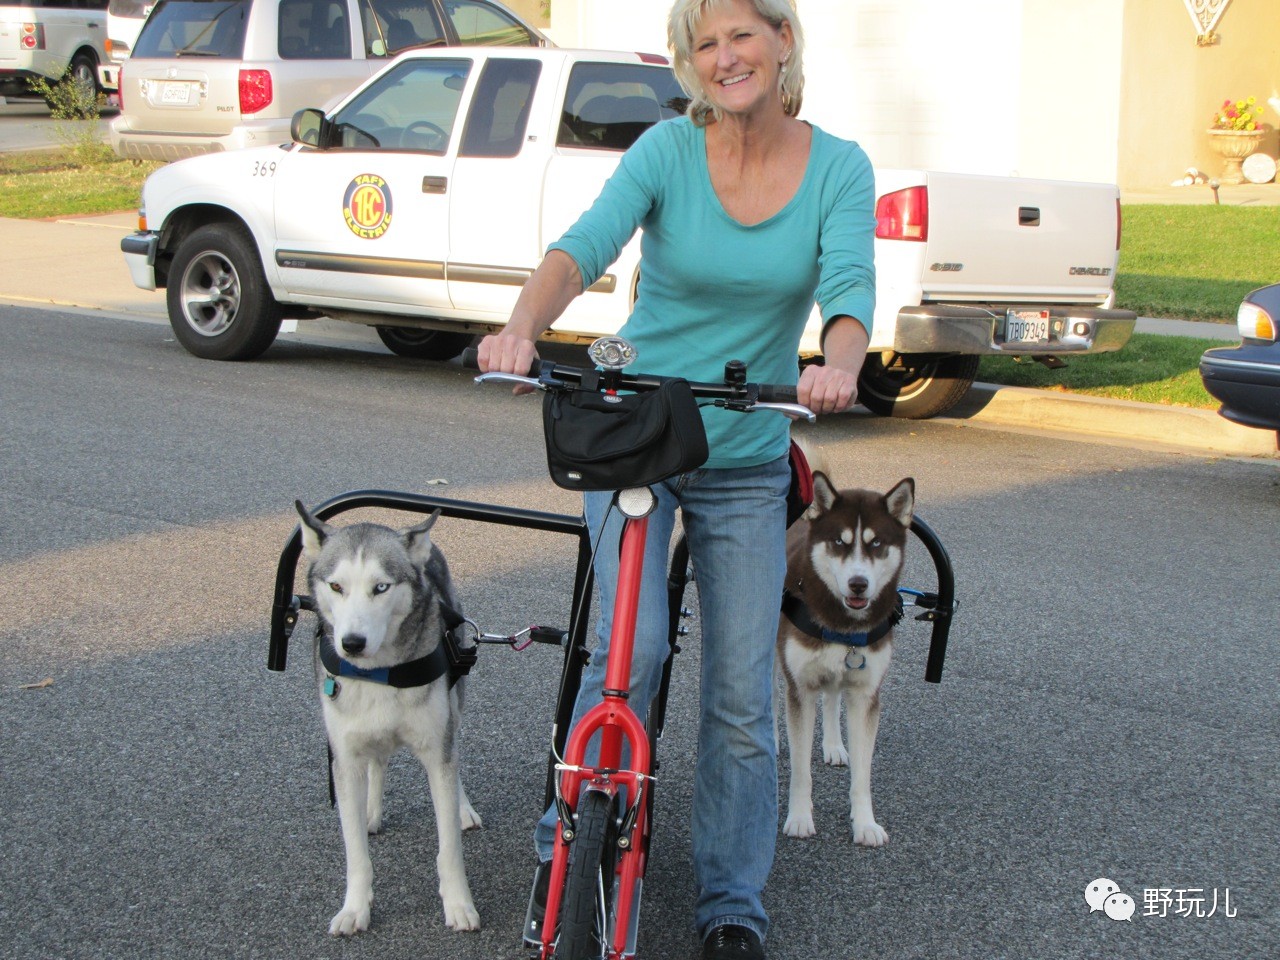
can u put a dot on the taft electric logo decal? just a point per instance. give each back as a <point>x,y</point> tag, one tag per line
<point>367,206</point>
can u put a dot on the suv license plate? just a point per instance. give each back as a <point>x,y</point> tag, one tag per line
<point>1026,326</point>
<point>176,93</point>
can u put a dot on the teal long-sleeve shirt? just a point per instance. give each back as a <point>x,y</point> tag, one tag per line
<point>712,289</point>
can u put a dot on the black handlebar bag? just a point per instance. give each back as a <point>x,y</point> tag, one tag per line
<point>599,441</point>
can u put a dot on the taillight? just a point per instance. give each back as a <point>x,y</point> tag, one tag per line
<point>255,90</point>
<point>120,89</point>
<point>903,215</point>
<point>32,36</point>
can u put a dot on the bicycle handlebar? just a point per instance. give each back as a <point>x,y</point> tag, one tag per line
<point>735,394</point>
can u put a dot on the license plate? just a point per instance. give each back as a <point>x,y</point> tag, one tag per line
<point>176,93</point>
<point>1022,326</point>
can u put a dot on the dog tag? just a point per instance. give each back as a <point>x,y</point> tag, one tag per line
<point>850,665</point>
<point>331,687</point>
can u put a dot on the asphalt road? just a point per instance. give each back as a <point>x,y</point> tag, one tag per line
<point>26,125</point>
<point>1108,708</point>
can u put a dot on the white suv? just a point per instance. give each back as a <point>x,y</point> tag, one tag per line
<point>49,39</point>
<point>212,75</point>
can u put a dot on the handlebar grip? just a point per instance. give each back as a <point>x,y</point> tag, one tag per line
<point>777,393</point>
<point>549,635</point>
<point>470,358</point>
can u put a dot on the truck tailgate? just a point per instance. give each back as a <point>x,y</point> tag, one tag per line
<point>1011,239</point>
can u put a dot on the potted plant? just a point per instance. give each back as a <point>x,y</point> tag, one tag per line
<point>1235,134</point>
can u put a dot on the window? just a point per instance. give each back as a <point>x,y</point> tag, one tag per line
<point>413,107</point>
<point>391,26</point>
<point>314,30</point>
<point>482,24</point>
<point>499,111</point>
<point>608,105</point>
<point>194,28</point>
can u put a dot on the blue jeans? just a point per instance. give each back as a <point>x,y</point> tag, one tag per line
<point>735,521</point>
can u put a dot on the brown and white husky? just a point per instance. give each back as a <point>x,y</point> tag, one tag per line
<point>835,636</point>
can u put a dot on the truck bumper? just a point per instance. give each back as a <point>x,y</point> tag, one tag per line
<point>139,251</point>
<point>967,329</point>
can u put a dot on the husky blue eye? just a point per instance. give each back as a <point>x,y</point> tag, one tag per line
<point>380,588</point>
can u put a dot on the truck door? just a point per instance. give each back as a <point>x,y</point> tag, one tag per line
<point>496,196</point>
<point>368,219</point>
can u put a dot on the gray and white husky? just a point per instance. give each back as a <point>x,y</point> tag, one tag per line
<point>378,593</point>
<point>835,636</point>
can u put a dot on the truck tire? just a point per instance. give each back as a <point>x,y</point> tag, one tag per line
<point>589,883</point>
<point>915,386</point>
<point>83,72</point>
<point>220,306</point>
<point>423,344</point>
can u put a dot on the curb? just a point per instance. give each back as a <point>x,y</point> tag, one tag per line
<point>1179,428</point>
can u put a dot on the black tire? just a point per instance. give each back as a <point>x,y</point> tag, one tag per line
<point>589,885</point>
<point>915,386</point>
<point>424,344</point>
<point>83,72</point>
<point>220,306</point>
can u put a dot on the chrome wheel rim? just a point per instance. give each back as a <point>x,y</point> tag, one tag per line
<point>210,294</point>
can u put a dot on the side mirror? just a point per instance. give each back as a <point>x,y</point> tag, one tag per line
<point>308,127</point>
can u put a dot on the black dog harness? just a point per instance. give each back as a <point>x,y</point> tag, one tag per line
<point>797,611</point>
<point>449,657</point>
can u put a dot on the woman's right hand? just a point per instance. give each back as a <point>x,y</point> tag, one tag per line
<point>507,352</point>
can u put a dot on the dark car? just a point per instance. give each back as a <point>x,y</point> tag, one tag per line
<point>1246,379</point>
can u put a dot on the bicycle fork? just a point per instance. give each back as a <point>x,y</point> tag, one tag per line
<point>618,727</point>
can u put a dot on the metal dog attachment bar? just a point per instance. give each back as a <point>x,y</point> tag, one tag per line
<point>285,609</point>
<point>938,608</point>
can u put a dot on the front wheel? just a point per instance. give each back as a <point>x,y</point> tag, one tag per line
<point>423,344</point>
<point>220,306</point>
<point>915,386</point>
<point>589,884</point>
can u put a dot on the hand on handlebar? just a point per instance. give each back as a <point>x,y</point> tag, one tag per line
<point>826,389</point>
<point>506,352</point>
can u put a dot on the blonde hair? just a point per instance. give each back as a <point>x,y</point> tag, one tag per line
<point>683,22</point>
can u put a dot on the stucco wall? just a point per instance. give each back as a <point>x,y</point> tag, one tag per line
<point>1170,88</point>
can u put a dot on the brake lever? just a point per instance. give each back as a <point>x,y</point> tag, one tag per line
<point>510,378</point>
<point>793,410</point>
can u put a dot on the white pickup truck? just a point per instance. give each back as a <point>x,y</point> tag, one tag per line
<point>424,201</point>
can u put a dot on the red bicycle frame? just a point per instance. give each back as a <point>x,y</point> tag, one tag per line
<point>617,725</point>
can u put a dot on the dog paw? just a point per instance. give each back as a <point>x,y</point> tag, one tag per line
<point>350,921</point>
<point>799,825</point>
<point>461,915</point>
<point>870,835</point>
<point>469,819</point>
<point>375,825</point>
<point>835,756</point>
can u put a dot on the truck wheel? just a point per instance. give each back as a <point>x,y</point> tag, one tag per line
<point>220,306</point>
<point>424,344</point>
<point>83,72</point>
<point>915,386</point>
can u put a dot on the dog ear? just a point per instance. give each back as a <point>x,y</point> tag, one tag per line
<point>824,495</point>
<point>902,501</point>
<point>314,532</point>
<point>417,540</point>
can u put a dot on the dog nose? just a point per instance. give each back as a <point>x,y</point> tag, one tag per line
<point>858,585</point>
<point>353,643</point>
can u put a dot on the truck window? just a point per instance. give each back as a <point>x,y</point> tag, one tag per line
<point>394,25</point>
<point>499,111</point>
<point>314,30</point>
<point>482,24</point>
<point>414,107</point>
<point>608,105</point>
<point>194,28</point>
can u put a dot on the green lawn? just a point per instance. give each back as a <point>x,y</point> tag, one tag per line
<point>69,182</point>
<point>1195,262</point>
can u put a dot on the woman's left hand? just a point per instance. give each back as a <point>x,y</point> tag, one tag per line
<point>826,389</point>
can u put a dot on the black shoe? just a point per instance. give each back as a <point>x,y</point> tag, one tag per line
<point>537,911</point>
<point>732,942</point>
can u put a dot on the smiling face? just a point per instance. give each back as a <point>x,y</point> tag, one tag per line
<point>737,56</point>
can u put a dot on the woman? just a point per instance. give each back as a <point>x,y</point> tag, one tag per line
<point>749,215</point>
